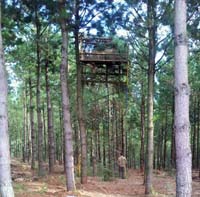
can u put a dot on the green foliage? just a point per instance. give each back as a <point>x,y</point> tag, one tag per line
<point>19,34</point>
<point>19,187</point>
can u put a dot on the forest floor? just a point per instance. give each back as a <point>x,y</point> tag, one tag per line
<point>28,184</point>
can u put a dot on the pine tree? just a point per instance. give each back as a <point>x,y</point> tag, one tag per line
<point>6,189</point>
<point>69,159</point>
<point>182,124</point>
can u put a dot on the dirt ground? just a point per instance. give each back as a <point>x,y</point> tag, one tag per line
<point>28,184</point>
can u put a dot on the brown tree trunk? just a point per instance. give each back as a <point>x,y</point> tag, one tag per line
<point>198,137</point>
<point>104,140</point>
<point>24,141</point>
<point>76,148</point>
<point>69,163</point>
<point>108,127</point>
<point>32,126</point>
<point>165,139</point>
<point>142,134</point>
<point>51,141</point>
<point>182,124</point>
<point>45,152</point>
<point>151,70</point>
<point>6,189</point>
<point>159,148</point>
<point>99,144</point>
<point>41,171</point>
<point>122,132</point>
<point>193,138</point>
<point>59,139</point>
<point>81,120</point>
<point>173,150</point>
<point>117,131</point>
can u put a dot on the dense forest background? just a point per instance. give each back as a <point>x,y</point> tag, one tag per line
<point>116,117</point>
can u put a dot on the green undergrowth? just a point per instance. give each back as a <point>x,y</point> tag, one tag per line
<point>19,187</point>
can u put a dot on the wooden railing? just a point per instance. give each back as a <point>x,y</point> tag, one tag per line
<point>102,56</point>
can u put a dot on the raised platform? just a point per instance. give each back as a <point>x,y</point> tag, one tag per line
<point>102,61</point>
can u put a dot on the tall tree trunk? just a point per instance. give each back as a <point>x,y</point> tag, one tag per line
<point>69,163</point>
<point>81,120</point>
<point>44,133</point>
<point>41,171</point>
<point>193,139</point>
<point>122,132</point>
<point>165,139</point>
<point>28,134</point>
<point>151,70</point>
<point>108,126</point>
<point>104,140</point>
<point>182,124</point>
<point>173,150</point>
<point>159,148</point>
<point>59,138</point>
<point>24,141</point>
<point>142,121</point>
<point>51,142</point>
<point>198,137</point>
<point>76,148</point>
<point>6,189</point>
<point>32,126</point>
<point>99,143</point>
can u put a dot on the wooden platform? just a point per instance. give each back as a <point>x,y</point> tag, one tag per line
<point>103,57</point>
<point>102,62</point>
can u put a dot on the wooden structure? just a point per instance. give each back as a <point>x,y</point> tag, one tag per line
<point>102,61</point>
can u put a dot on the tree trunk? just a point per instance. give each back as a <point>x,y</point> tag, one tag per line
<point>32,126</point>
<point>59,138</point>
<point>193,138</point>
<point>81,120</point>
<point>122,132</point>
<point>6,189</point>
<point>51,142</point>
<point>151,70</point>
<point>165,139</point>
<point>76,148</point>
<point>69,164</point>
<point>182,124</point>
<point>173,150</point>
<point>24,141</point>
<point>142,121</point>
<point>108,127</point>
<point>41,171</point>
<point>99,144</point>
<point>198,137</point>
<point>44,133</point>
<point>104,141</point>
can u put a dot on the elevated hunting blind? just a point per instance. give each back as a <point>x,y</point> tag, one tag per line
<point>103,60</point>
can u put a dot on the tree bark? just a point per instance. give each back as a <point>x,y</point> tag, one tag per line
<point>44,133</point>
<point>165,139</point>
<point>108,126</point>
<point>24,141</point>
<point>6,189</point>
<point>81,120</point>
<point>51,141</point>
<point>38,101</point>
<point>198,137</point>
<point>142,121</point>
<point>69,164</point>
<point>193,140</point>
<point>173,150</point>
<point>182,124</point>
<point>32,126</point>
<point>151,70</point>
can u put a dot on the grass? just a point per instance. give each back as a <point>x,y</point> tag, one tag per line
<point>19,187</point>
